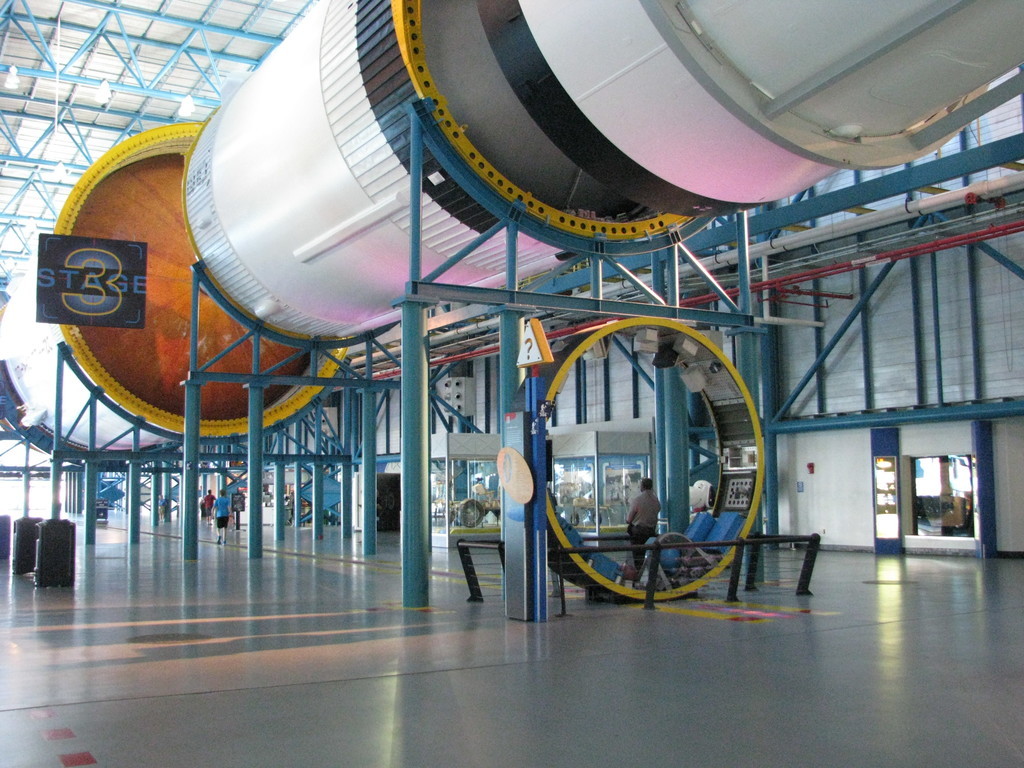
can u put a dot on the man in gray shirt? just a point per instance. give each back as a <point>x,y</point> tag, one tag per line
<point>642,520</point>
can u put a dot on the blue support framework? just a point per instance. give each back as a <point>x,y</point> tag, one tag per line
<point>923,407</point>
<point>542,294</point>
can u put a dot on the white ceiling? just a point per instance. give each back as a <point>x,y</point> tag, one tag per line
<point>153,54</point>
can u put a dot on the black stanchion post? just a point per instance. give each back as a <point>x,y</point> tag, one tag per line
<point>752,563</point>
<point>652,575</point>
<point>475,595</point>
<point>803,586</point>
<point>561,584</point>
<point>734,574</point>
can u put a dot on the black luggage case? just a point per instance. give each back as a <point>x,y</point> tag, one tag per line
<point>55,556</point>
<point>5,537</point>
<point>26,533</point>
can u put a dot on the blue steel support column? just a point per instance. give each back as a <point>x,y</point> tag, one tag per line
<point>538,528</point>
<point>134,493</point>
<point>154,495</point>
<point>510,329</point>
<point>165,490</point>
<point>280,513</point>
<point>346,500</point>
<point>985,485</point>
<point>660,419</point>
<point>369,467</point>
<point>415,518</point>
<point>369,470</point>
<point>297,496</point>
<point>188,490</point>
<point>254,493</point>
<point>90,502</point>
<point>937,328</point>
<point>676,501</point>
<point>316,501</point>
<point>26,482</point>
<point>769,360</point>
<point>746,343</point>
<point>415,460</point>
<point>677,412</point>
<point>596,277</point>
<point>346,469</point>
<point>747,362</point>
<point>316,496</point>
<point>56,457</point>
<point>91,480</point>
<point>671,425</point>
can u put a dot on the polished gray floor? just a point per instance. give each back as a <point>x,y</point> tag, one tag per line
<point>306,658</point>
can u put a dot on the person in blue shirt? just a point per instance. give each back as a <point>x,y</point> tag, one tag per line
<point>222,511</point>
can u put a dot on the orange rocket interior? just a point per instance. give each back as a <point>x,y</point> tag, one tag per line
<point>142,202</point>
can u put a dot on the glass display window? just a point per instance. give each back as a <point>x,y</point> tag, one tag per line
<point>594,493</point>
<point>575,492</point>
<point>464,494</point>
<point>620,482</point>
<point>943,496</point>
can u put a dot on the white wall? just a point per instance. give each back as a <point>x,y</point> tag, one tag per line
<point>837,500</point>
<point>1008,439</point>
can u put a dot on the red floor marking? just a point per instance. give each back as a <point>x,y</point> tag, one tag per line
<point>77,758</point>
<point>58,733</point>
<point>40,714</point>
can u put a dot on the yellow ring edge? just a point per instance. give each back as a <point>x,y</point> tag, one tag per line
<point>556,386</point>
<point>407,30</point>
<point>179,137</point>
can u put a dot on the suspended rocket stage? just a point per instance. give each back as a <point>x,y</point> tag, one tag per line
<point>606,121</point>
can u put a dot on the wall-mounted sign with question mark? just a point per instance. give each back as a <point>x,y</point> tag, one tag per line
<point>535,349</point>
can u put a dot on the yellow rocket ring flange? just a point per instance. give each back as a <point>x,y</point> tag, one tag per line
<point>729,391</point>
<point>130,194</point>
<point>408,20</point>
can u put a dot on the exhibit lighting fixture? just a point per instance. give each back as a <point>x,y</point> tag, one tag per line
<point>59,173</point>
<point>13,81</point>
<point>188,106</point>
<point>665,357</point>
<point>103,93</point>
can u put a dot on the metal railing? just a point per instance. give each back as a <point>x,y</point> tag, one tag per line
<point>469,568</point>
<point>652,562</point>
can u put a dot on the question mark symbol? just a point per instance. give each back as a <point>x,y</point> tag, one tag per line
<point>529,348</point>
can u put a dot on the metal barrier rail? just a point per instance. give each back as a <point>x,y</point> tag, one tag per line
<point>472,580</point>
<point>754,542</point>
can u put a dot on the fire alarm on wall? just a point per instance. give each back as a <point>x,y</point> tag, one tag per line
<point>810,468</point>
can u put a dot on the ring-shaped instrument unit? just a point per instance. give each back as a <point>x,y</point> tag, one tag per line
<point>705,369</point>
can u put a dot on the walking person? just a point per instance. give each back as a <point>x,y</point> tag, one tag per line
<point>208,501</point>
<point>642,520</point>
<point>222,511</point>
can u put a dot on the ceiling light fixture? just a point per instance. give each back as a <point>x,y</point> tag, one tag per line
<point>59,173</point>
<point>103,94</point>
<point>13,81</point>
<point>188,106</point>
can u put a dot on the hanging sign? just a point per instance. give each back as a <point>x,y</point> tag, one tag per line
<point>535,349</point>
<point>91,281</point>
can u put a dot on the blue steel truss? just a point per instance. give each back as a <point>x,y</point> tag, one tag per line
<point>198,58</point>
